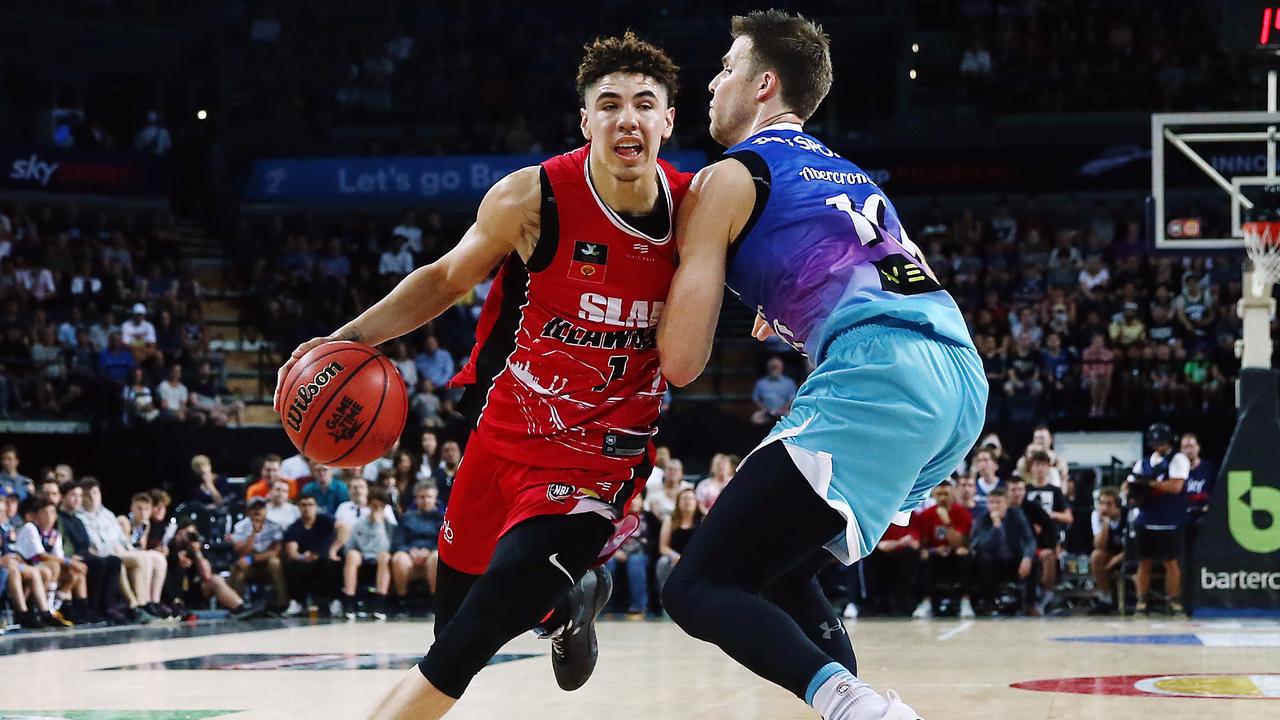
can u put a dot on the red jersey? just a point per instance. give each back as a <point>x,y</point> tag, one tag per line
<point>565,370</point>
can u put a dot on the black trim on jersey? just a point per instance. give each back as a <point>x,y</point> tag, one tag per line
<point>549,235</point>
<point>501,340</point>
<point>655,224</point>
<point>763,179</point>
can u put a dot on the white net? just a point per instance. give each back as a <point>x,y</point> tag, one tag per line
<point>1262,241</point>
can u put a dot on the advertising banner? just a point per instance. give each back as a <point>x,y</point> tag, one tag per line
<point>83,172</point>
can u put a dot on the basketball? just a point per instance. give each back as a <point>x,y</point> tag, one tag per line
<point>344,404</point>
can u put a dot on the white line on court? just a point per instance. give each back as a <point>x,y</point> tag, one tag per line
<point>955,631</point>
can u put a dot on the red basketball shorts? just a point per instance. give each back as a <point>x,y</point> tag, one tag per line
<point>492,494</point>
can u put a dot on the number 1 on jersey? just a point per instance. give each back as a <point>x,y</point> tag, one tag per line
<point>618,363</point>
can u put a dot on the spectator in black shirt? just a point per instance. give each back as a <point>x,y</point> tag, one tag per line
<point>104,572</point>
<point>312,563</point>
<point>1054,503</point>
<point>1109,524</point>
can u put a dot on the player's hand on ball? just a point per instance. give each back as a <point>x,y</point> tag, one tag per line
<point>298,352</point>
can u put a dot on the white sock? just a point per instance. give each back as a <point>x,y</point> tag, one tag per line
<point>842,696</point>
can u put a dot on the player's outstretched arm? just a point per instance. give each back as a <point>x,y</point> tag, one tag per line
<point>507,221</point>
<point>713,212</point>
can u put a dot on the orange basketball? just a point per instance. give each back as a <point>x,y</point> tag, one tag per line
<point>345,404</point>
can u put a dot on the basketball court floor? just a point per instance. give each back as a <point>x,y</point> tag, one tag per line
<point>1060,669</point>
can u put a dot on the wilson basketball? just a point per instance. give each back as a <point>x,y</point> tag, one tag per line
<point>345,404</point>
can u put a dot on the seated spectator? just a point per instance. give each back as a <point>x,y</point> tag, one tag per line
<point>426,405</point>
<point>408,370</point>
<point>141,581</point>
<point>324,488</point>
<point>358,508</point>
<point>891,570</point>
<point>634,555</point>
<point>197,581</point>
<point>415,543</point>
<point>368,547</point>
<point>279,510</point>
<point>447,469</point>
<point>267,474</point>
<point>1042,439</point>
<point>985,477</point>
<point>296,467</point>
<point>174,396</point>
<point>773,394</point>
<point>15,482</point>
<point>387,462</point>
<point>116,361</point>
<point>1044,529</point>
<point>1049,539</point>
<point>138,334</point>
<point>212,489</point>
<point>662,502</point>
<point>145,535</point>
<point>1023,376</point>
<point>944,550</point>
<point>676,531</point>
<point>40,545</point>
<point>1003,548</point>
<point>23,581</point>
<point>208,404</point>
<point>1128,329</point>
<point>311,560</point>
<point>708,491</point>
<point>139,401</point>
<point>1110,524</point>
<point>256,542</point>
<point>967,493</point>
<point>397,261</point>
<point>103,572</point>
<point>434,362</point>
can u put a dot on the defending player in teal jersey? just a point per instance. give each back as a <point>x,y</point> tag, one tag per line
<point>896,400</point>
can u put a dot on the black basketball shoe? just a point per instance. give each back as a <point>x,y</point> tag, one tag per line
<point>574,650</point>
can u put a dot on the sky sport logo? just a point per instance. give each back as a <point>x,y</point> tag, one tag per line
<point>307,393</point>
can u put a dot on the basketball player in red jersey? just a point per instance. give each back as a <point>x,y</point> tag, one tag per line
<point>564,382</point>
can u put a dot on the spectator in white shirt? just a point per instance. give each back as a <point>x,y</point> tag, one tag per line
<point>409,230</point>
<point>173,395</point>
<point>138,332</point>
<point>358,506</point>
<point>153,137</point>
<point>279,510</point>
<point>397,260</point>
<point>142,571</point>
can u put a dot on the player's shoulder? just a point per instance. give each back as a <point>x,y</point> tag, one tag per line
<point>727,176</point>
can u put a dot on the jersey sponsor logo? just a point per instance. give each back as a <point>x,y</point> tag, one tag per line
<point>570,334</point>
<point>589,261</point>
<point>900,275</point>
<point>840,178</point>
<point>597,308</point>
<point>798,141</point>
<point>345,421</point>
<point>308,392</point>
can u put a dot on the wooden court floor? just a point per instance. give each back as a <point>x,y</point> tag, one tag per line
<point>946,669</point>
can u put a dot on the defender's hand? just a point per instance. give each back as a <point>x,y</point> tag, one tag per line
<point>761,331</point>
<point>297,354</point>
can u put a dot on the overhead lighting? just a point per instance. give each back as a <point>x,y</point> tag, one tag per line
<point>912,74</point>
<point>201,115</point>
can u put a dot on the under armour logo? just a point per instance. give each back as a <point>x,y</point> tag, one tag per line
<point>826,631</point>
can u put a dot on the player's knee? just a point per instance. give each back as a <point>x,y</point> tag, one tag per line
<point>680,598</point>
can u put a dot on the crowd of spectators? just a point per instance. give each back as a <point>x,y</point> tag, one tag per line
<point>1016,536</point>
<point>1074,317</point>
<point>1084,56</point>
<point>100,318</point>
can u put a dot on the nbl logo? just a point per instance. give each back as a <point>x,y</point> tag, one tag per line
<point>307,393</point>
<point>557,492</point>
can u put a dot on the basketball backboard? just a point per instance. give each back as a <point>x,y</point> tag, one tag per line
<point>1205,168</point>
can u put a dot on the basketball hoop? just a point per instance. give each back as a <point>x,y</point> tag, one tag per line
<point>1262,241</point>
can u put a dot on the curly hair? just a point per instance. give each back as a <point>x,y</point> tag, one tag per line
<point>627,54</point>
